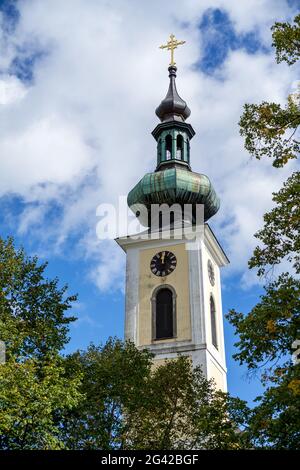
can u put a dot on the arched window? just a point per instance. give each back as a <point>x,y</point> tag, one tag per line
<point>213,322</point>
<point>164,313</point>
<point>179,147</point>
<point>168,147</point>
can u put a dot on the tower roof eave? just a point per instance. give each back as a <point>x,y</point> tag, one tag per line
<point>171,124</point>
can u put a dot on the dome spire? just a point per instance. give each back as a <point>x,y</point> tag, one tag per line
<point>173,107</point>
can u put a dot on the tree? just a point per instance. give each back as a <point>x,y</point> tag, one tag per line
<point>268,333</point>
<point>32,308</point>
<point>34,328</point>
<point>30,394</point>
<point>131,404</point>
<point>183,410</point>
<point>280,235</point>
<point>107,397</point>
<point>286,40</point>
<point>268,128</point>
<point>113,378</point>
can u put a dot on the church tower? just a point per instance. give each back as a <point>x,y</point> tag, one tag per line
<point>173,286</point>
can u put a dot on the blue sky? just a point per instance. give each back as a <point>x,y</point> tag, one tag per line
<point>79,83</point>
<point>220,38</point>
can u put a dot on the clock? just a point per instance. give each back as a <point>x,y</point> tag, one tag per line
<point>163,263</point>
<point>211,272</point>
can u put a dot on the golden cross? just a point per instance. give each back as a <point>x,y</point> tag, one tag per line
<point>171,45</point>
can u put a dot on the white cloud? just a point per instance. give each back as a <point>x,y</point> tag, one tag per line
<point>31,217</point>
<point>79,134</point>
<point>256,14</point>
<point>50,150</point>
<point>11,90</point>
<point>110,271</point>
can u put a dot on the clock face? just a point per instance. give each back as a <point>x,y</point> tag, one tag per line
<point>211,272</point>
<point>163,263</point>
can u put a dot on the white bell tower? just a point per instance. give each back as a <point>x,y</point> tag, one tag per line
<point>195,285</point>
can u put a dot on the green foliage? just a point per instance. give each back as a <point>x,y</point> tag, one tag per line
<point>286,40</point>
<point>270,130</point>
<point>274,423</point>
<point>280,235</point>
<point>34,329</point>
<point>108,397</point>
<point>32,308</point>
<point>113,379</point>
<point>30,393</point>
<point>267,333</point>
<point>129,404</point>
<point>183,410</point>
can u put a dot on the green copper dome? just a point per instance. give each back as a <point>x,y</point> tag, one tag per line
<point>175,185</point>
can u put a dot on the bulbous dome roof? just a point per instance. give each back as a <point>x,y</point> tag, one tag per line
<point>171,186</point>
<point>173,108</point>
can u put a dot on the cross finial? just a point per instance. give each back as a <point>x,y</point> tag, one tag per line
<point>171,45</point>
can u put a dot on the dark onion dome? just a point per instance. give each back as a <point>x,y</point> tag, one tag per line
<point>173,107</point>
